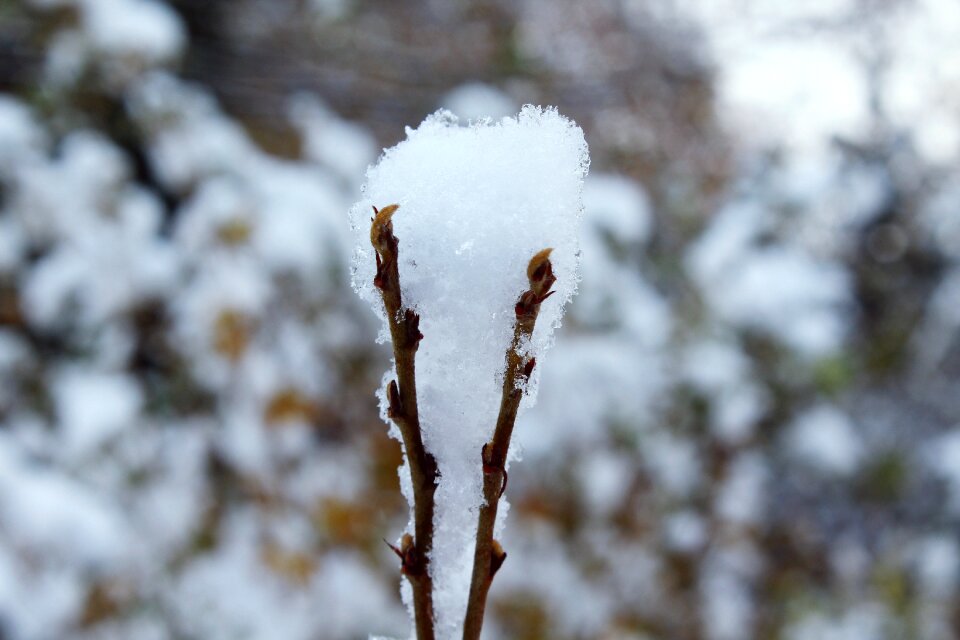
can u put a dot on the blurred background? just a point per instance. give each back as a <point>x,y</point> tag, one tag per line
<point>749,426</point>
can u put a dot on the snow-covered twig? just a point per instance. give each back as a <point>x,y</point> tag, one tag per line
<point>402,399</point>
<point>488,554</point>
<point>476,202</point>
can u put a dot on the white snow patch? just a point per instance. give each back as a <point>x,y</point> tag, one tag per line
<point>94,407</point>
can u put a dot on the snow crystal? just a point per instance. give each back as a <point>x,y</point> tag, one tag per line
<point>476,203</point>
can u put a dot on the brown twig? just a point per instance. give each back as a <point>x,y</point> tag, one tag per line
<point>489,555</point>
<point>402,409</point>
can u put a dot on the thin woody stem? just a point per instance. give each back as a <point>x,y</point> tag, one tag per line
<point>402,409</point>
<point>488,555</point>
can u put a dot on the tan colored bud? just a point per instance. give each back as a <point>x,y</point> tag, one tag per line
<point>406,543</point>
<point>539,265</point>
<point>497,556</point>
<point>381,223</point>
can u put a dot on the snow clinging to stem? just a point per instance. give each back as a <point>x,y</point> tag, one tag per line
<point>475,204</point>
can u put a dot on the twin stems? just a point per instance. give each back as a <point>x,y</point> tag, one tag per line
<point>414,550</point>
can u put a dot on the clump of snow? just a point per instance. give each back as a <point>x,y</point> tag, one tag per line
<point>673,462</point>
<point>605,478</point>
<point>116,40</point>
<point>781,290</point>
<point>94,407</point>
<point>550,570</point>
<point>613,355</point>
<point>860,622</point>
<point>726,580</point>
<point>612,382</point>
<point>825,438</point>
<point>143,28</point>
<point>190,137</point>
<point>20,135</point>
<point>719,370</point>
<point>742,496</point>
<point>47,510</point>
<point>344,147</point>
<point>685,532</point>
<point>231,593</point>
<point>937,564</point>
<point>476,203</point>
<point>943,455</point>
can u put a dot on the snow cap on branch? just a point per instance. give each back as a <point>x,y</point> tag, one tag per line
<point>476,204</point>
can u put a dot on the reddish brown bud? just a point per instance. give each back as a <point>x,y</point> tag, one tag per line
<point>528,367</point>
<point>394,548</point>
<point>527,304</point>
<point>497,557</point>
<point>412,322</point>
<point>380,279</point>
<point>544,297</point>
<point>381,218</point>
<point>407,553</point>
<point>394,407</point>
<point>485,456</point>
<point>540,274</point>
<point>381,230</point>
<point>539,266</point>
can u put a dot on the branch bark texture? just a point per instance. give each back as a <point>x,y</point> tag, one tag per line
<point>489,554</point>
<point>405,333</point>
